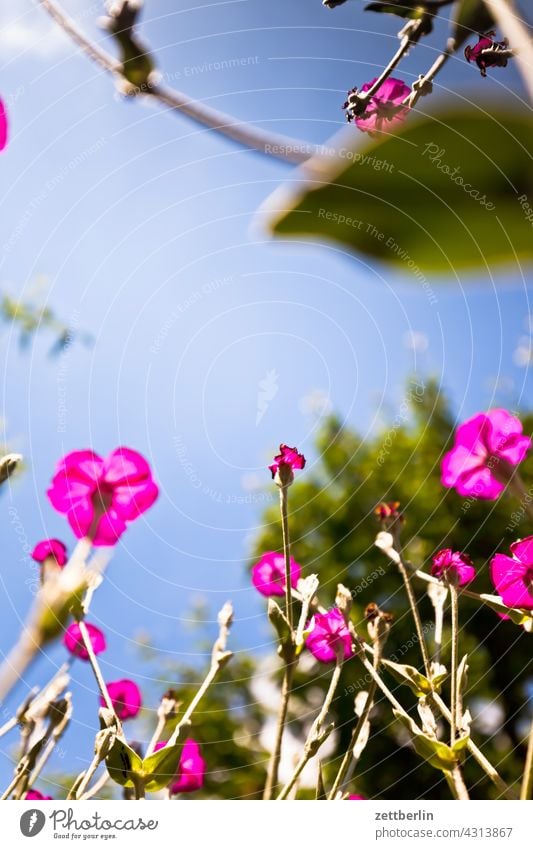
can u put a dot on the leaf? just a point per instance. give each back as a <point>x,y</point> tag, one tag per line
<point>405,674</point>
<point>161,767</point>
<point>283,629</point>
<point>471,17</point>
<point>519,617</point>
<point>438,754</point>
<point>440,196</point>
<point>405,9</point>
<point>122,763</point>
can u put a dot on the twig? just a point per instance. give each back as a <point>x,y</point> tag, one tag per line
<point>506,16</point>
<point>476,753</point>
<point>219,658</point>
<point>280,147</point>
<point>97,786</point>
<point>316,735</point>
<point>526,790</point>
<point>273,766</point>
<point>455,720</point>
<point>290,656</point>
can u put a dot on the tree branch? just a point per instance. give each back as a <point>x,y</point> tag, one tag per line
<point>287,149</point>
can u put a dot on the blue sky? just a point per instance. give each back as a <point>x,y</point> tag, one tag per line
<point>136,226</point>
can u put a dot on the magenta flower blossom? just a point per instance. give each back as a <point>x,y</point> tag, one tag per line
<point>383,110</point>
<point>268,574</point>
<point>454,567</point>
<point>355,796</point>
<point>190,774</point>
<point>3,126</point>
<point>483,444</point>
<point>329,633</point>
<point>126,698</point>
<point>285,463</point>
<point>513,576</point>
<point>50,548</point>
<point>99,497</point>
<point>36,796</point>
<point>488,53</point>
<point>74,642</point>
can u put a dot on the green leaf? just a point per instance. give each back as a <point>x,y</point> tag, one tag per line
<point>123,763</point>
<point>442,195</point>
<point>161,767</point>
<point>519,617</point>
<point>405,674</point>
<point>470,17</point>
<point>438,754</point>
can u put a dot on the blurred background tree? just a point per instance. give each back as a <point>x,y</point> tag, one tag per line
<point>333,528</point>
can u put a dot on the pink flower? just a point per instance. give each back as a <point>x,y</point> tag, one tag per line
<point>268,574</point>
<point>483,443</point>
<point>99,497</point>
<point>191,770</point>
<point>285,463</point>
<point>3,126</point>
<point>513,576</point>
<point>329,633</point>
<point>74,642</point>
<point>453,566</point>
<point>383,110</point>
<point>50,548</point>
<point>355,796</point>
<point>36,796</point>
<point>126,698</point>
<point>488,53</point>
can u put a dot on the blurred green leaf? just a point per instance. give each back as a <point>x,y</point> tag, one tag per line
<point>405,674</point>
<point>123,763</point>
<point>469,18</point>
<point>161,767</point>
<point>438,754</point>
<point>440,196</point>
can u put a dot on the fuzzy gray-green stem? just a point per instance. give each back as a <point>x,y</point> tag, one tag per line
<point>314,734</point>
<point>526,790</point>
<point>416,616</point>
<point>454,702</point>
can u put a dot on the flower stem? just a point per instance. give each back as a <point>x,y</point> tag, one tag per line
<point>456,784</point>
<point>79,789</point>
<point>283,503</point>
<point>454,702</point>
<point>416,615</point>
<point>344,773</point>
<point>219,658</point>
<point>97,671</point>
<point>513,27</point>
<point>476,753</point>
<point>526,790</point>
<point>314,741</point>
<point>97,786</point>
<point>162,721</point>
<point>291,661</point>
<point>273,766</point>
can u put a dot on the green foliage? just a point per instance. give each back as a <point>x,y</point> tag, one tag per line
<point>333,529</point>
<point>31,317</point>
<point>439,196</point>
